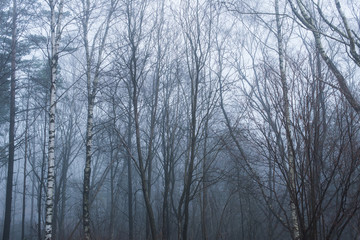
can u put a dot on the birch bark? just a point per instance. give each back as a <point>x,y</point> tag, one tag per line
<point>55,34</point>
<point>346,35</point>
<point>286,106</point>
<point>92,88</point>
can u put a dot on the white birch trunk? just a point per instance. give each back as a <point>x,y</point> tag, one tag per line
<point>290,155</point>
<point>55,38</point>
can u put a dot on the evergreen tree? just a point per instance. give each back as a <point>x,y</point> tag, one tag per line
<point>5,68</point>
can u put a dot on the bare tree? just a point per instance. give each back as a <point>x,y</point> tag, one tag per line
<point>137,76</point>
<point>26,155</point>
<point>343,34</point>
<point>56,11</point>
<point>149,81</point>
<point>197,45</point>
<point>287,124</point>
<point>94,57</point>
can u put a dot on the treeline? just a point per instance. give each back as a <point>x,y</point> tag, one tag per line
<point>154,119</point>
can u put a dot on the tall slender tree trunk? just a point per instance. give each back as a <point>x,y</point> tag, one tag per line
<point>197,52</point>
<point>87,171</point>
<point>32,208</point>
<point>42,176</point>
<point>319,128</point>
<point>166,143</point>
<point>33,157</point>
<point>25,163</point>
<point>112,208</point>
<point>62,213</point>
<point>144,183</point>
<point>55,34</point>
<point>204,185</point>
<point>64,177</point>
<point>193,140</point>
<point>16,190</point>
<point>10,173</point>
<point>165,208</point>
<point>57,195</point>
<point>92,83</point>
<point>89,126</point>
<point>290,155</point>
<point>130,200</point>
<point>150,155</point>
<point>270,225</point>
<point>113,170</point>
<point>147,223</point>
<point>129,169</point>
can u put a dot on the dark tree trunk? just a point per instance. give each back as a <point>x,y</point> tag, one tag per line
<point>41,180</point>
<point>25,163</point>
<point>9,180</point>
<point>130,191</point>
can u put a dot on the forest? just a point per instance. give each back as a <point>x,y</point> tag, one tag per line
<point>180,119</point>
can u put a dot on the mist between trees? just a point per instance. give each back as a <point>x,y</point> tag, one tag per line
<point>159,119</point>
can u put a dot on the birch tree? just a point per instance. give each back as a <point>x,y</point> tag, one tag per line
<point>287,124</point>
<point>342,31</point>
<point>94,57</point>
<point>56,11</point>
